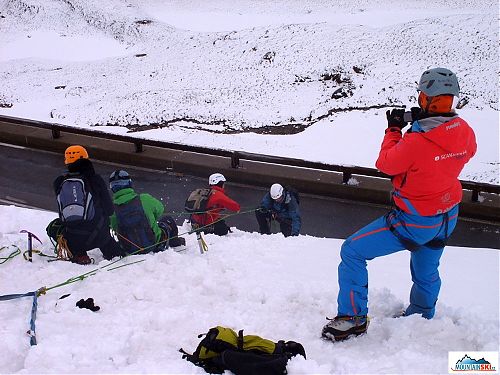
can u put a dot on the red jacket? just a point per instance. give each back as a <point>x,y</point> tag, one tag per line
<point>426,165</point>
<point>217,202</point>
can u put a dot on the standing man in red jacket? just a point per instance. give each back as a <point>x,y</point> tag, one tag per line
<point>424,164</point>
<point>211,220</point>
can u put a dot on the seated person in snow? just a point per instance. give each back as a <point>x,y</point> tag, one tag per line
<point>84,208</point>
<point>281,205</point>
<point>210,219</point>
<point>138,220</point>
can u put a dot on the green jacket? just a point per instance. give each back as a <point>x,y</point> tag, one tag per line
<point>152,207</point>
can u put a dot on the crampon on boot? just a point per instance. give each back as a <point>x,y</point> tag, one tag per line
<point>341,327</point>
<point>81,259</point>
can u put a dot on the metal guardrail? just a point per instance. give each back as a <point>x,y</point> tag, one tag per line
<point>347,171</point>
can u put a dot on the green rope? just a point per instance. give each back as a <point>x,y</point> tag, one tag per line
<point>58,233</point>
<point>93,272</point>
<point>128,264</point>
<point>198,229</point>
<point>12,255</point>
<point>34,251</point>
<point>183,213</point>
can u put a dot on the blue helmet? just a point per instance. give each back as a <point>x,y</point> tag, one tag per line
<point>119,179</point>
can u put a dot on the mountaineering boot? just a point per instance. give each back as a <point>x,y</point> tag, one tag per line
<point>400,314</point>
<point>81,259</point>
<point>177,241</point>
<point>341,327</point>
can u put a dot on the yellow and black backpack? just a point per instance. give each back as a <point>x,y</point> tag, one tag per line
<point>223,349</point>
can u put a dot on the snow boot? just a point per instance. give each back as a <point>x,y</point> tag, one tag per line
<point>400,314</point>
<point>81,259</point>
<point>177,241</point>
<point>341,327</point>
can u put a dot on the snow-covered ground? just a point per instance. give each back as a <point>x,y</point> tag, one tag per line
<point>305,79</point>
<point>279,288</point>
<point>219,73</point>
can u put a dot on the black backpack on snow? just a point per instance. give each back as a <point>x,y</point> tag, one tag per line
<point>223,349</point>
<point>197,200</point>
<point>74,200</point>
<point>134,230</point>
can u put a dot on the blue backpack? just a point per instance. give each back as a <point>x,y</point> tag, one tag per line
<point>134,231</point>
<point>74,201</point>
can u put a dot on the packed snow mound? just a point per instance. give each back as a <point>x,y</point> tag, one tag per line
<point>278,288</point>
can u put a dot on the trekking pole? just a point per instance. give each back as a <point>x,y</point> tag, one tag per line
<point>30,243</point>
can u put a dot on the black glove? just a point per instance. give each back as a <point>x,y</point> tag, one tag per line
<point>395,118</point>
<point>416,113</point>
<point>87,304</point>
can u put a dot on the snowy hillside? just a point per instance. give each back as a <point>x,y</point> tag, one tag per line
<point>268,285</point>
<point>215,73</point>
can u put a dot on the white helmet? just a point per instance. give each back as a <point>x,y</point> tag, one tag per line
<point>215,178</point>
<point>276,191</point>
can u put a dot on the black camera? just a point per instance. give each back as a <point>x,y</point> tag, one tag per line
<point>407,117</point>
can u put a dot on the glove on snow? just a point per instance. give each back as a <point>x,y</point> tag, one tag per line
<point>87,304</point>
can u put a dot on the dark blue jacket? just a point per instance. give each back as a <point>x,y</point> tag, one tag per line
<point>286,210</point>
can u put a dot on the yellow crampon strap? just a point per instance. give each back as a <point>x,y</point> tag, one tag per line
<point>63,251</point>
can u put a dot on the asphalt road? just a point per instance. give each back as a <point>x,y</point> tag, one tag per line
<point>26,177</point>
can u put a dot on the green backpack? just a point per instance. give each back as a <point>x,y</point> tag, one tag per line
<point>223,349</point>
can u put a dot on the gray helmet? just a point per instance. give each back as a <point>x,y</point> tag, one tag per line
<point>439,81</point>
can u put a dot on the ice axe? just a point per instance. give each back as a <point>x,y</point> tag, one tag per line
<point>30,243</point>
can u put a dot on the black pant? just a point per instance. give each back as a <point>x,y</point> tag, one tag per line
<point>264,219</point>
<point>219,228</point>
<point>85,238</point>
<point>169,227</point>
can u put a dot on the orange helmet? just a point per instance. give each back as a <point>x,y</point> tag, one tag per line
<point>73,153</point>
<point>435,104</point>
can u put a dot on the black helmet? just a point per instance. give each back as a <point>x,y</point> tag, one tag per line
<point>119,179</point>
<point>439,81</point>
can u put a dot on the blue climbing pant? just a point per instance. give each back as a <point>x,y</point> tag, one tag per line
<point>391,233</point>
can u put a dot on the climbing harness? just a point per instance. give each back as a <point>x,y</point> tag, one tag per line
<point>435,243</point>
